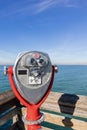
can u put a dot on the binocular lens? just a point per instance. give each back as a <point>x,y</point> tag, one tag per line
<point>41,61</point>
<point>33,61</point>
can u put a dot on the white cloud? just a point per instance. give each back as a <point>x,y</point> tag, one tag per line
<point>44,5</point>
<point>34,7</point>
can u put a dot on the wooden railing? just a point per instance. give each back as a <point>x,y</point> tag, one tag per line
<point>62,111</point>
<point>9,108</point>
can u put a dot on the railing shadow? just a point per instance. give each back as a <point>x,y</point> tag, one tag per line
<point>67,103</point>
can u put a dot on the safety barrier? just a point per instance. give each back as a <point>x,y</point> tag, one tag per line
<point>62,111</point>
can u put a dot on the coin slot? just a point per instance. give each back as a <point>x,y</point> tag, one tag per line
<point>22,72</point>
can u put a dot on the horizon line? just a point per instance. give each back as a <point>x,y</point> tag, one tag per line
<point>8,64</point>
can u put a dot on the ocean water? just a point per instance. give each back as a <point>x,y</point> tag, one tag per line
<point>69,79</point>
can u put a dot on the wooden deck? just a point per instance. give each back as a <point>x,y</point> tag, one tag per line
<point>65,110</point>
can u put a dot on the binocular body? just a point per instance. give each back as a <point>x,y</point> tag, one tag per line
<point>32,75</point>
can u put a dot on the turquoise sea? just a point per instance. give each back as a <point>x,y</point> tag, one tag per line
<point>69,79</point>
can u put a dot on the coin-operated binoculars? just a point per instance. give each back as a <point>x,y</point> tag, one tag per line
<point>31,80</point>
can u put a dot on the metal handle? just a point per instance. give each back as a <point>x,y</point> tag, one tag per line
<point>56,69</point>
<point>5,70</point>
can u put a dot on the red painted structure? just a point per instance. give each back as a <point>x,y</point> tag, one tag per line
<point>33,110</point>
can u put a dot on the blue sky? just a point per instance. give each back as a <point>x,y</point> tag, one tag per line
<point>57,27</point>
